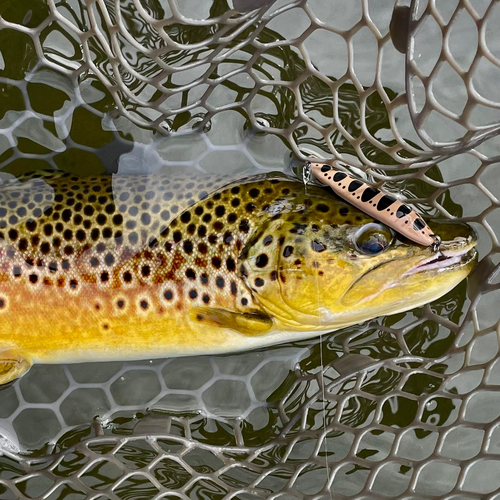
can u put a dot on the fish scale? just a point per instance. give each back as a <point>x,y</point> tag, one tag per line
<point>119,267</point>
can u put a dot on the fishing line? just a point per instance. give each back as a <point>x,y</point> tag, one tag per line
<point>306,177</point>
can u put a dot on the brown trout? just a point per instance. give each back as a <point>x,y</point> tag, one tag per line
<point>117,267</point>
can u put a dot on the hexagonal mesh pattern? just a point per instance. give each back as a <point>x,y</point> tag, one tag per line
<point>405,406</point>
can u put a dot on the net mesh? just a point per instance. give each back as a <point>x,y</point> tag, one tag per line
<point>405,406</point>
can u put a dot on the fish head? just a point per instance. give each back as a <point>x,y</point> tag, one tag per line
<point>329,266</point>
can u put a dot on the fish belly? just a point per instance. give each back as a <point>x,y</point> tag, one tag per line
<point>50,326</point>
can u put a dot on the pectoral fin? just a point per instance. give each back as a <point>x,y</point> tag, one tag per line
<point>250,324</point>
<point>12,365</point>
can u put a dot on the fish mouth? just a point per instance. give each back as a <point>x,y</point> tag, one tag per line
<point>445,260</point>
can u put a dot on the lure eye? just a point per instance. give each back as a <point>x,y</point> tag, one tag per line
<point>373,239</point>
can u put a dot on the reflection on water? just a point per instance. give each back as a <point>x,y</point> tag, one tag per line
<point>368,409</point>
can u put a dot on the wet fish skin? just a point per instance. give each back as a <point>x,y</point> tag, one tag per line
<point>121,267</point>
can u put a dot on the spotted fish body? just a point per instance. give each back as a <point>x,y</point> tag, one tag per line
<point>118,267</point>
<point>376,203</point>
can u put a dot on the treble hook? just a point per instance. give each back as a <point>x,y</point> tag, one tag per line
<point>437,243</point>
<point>306,173</point>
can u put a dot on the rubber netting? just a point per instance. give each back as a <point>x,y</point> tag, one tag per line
<point>405,94</point>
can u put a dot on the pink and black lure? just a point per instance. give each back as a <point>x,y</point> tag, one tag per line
<point>381,206</point>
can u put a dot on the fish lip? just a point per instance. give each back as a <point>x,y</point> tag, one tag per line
<point>445,260</point>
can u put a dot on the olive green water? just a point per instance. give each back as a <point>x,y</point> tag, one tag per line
<point>278,416</point>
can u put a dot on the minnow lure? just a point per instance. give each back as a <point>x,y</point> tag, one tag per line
<point>374,202</point>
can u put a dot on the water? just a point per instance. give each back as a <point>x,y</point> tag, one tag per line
<point>394,393</point>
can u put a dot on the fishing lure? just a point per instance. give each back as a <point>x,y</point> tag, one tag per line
<point>374,202</point>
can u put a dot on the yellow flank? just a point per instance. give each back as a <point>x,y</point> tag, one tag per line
<point>147,266</point>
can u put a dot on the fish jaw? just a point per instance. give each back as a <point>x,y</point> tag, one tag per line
<point>444,260</point>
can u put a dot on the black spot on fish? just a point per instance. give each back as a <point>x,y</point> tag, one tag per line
<point>261,260</point>
<point>66,215</point>
<point>402,211</point>
<point>418,224</point>
<point>354,185</point>
<point>244,226</point>
<point>101,219</point>
<point>369,193</point>
<point>188,246</point>
<point>326,168</point>
<point>317,246</point>
<point>385,201</point>
<point>339,176</point>
<point>23,244</point>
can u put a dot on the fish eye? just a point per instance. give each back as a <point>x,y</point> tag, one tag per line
<point>373,239</point>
